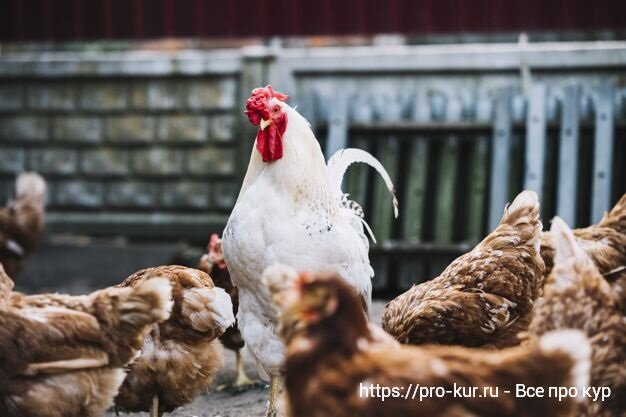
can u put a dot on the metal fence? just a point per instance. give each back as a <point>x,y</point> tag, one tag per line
<point>462,138</point>
<point>455,176</point>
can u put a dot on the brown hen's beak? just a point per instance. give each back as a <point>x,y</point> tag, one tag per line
<point>265,123</point>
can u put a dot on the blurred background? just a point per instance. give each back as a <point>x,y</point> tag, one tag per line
<point>132,111</point>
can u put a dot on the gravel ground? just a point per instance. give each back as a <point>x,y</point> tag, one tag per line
<point>224,404</point>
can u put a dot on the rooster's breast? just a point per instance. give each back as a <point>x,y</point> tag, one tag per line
<point>266,229</point>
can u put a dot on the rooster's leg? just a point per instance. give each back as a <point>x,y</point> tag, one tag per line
<point>154,409</point>
<point>272,409</point>
<point>242,380</point>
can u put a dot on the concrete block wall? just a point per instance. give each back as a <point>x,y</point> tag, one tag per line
<point>144,156</point>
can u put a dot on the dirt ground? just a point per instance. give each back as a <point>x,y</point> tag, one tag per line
<point>224,404</point>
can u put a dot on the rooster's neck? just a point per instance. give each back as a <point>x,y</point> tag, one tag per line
<point>301,173</point>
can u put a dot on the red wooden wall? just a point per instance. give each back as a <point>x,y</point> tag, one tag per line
<point>61,20</point>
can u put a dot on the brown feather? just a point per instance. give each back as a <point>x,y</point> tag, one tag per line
<point>330,354</point>
<point>21,222</point>
<point>577,296</point>
<point>212,262</point>
<point>180,356</point>
<point>64,355</point>
<point>605,243</point>
<point>483,298</point>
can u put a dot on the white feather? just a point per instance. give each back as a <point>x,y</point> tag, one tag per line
<point>343,158</point>
<point>575,344</point>
<point>289,211</point>
<point>567,254</point>
<point>222,308</point>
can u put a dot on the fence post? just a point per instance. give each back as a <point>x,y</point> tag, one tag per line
<point>338,124</point>
<point>500,156</point>
<point>478,176</point>
<point>415,195</point>
<point>388,111</point>
<point>254,63</point>
<point>446,198</point>
<point>567,187</point>
<point>535,141</point>
<point>603,153</point>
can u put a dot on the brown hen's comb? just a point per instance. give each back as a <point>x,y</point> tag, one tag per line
<point>215,239</point>
<point>215,251</point>
<point>256,106</point>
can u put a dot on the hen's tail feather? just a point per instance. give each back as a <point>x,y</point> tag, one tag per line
<point>6,284</point>
<point>208,309</point>
<point>125,314</point>
<point>616,218</point>
<point>570,259</point>
<point>343,158</point>
<point>565,242</point>
<point>30,185</point>
<point>524,209</point>
<point>520,224</point>
<point>148,302</point>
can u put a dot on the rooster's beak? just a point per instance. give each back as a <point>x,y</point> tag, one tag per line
<point>265,123</point>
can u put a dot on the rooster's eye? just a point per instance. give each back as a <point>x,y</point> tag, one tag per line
<point>276,109</point>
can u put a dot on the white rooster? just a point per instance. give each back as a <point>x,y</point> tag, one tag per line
<point>291,210</point>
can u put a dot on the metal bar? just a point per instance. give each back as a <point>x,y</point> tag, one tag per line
<point>535,141</point>
<point>338,125</point>
<point>415,196</point>
<point>457,58</point>
<point>446,194</point>
<point>401,247</point>
<point>477,185</point>
<point>411,126</point>
<point>382,214</point>
<point>501,146</point>
<point>567,187</point>
<point>603,153</point>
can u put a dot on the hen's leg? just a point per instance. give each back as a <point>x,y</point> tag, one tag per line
<point>154,409</point>
<point>272,409</point>
<point>242,380</point>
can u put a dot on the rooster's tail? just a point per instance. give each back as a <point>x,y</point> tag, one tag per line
<point>339,163</point>
<point>343,158</point>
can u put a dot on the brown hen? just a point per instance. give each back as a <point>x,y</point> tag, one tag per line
<point>21,222</point>
<point>334,365</point>
<point>64,355</point>
<point>483,298</point>
<point>180,356</point>
<point>212,262</point>
<point>605,243</point>
<point>577,296</point>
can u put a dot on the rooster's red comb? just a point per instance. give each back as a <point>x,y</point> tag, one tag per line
<point>256,106</point>
<point>267,93</point>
